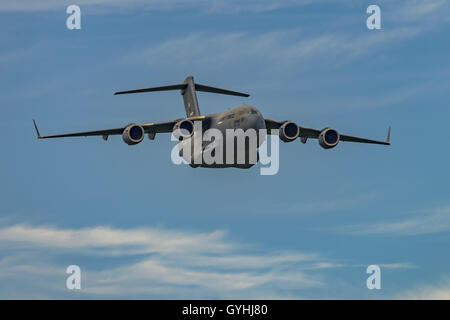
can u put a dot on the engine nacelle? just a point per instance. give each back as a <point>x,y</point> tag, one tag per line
<point>133,134</point>
<point>186,128</point>
<point>328,138</point>
<point>289,131</point>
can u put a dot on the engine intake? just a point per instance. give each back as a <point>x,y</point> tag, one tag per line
<point>328,138</point>
<point>186,128</point>
<point>133,134</point>
<point>289,131</point>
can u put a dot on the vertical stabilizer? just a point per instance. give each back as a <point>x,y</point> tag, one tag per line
<point>190,98</point>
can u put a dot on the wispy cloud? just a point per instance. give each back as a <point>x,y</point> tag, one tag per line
<point>157,263</point>
<point>334,205</point>
<point>288,49</point>
<point>153,272</point>
<point>426,222</point>
<point>422,9</point>
<point>133,241</point>
<point>398,265</point>
<point>409,10</point>
<point>274,50</point>
<point>428,292</point>
<point>48,5</point>
<point>207,5</point>
<point>160,261</point>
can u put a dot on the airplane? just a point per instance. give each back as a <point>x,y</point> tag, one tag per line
<point>240,117</point>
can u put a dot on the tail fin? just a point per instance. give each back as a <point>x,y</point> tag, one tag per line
<point>190,98</point>
<point>188,90</point>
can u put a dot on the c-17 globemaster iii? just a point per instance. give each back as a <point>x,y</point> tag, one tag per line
<point>243,117</point>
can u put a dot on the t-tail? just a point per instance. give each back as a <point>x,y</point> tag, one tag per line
<point>188,91</point>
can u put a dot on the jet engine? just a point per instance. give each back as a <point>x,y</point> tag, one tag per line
<point>328,138</point>
<point>289,131</point>
<point>133,134</point>
<point>186,128</point>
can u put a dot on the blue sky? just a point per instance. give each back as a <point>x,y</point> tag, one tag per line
<point>140,227</point>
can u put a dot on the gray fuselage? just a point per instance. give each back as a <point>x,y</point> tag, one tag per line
<point>243,117</point>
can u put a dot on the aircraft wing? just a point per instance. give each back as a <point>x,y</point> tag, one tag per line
<point>306,133</point>
<point>159,127</point>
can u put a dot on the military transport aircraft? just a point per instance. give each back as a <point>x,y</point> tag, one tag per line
<point>241,117</point>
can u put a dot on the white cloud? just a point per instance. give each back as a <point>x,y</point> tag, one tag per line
<point>413,10</point>
<point>208,5</point>
<point>426,222</point>
<point>398,265</point>
<point>149,273</point>
<point>276,51</point>
<point>118,241</point>
<point>47,5</point>
<point>155,262</point>
<point>421,9</point>
<point>392,266</point>
<point>333,205</point>
<point>428,292</point>
<point>254,5</point>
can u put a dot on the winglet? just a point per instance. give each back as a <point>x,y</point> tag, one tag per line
<point>388,139</point>
<point>37,130</point>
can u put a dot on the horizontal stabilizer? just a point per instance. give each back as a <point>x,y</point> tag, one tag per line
<point>201,87</point>
<point>183,86</point>
<point>180,86</point>
<point>188,90</point>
